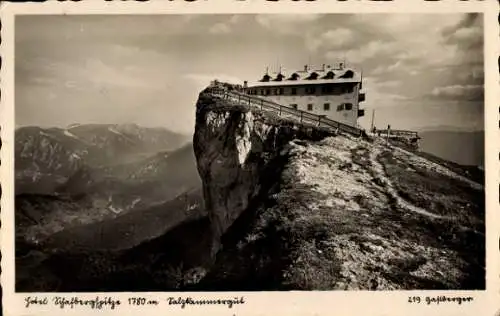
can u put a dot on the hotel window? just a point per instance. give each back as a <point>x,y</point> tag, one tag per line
<point>294,91</point>
<point>327,89</point>
<point>262,92</point>
<point>337,90</point>
<point>311,90</point>
<point>326,106</point>
<point>340,107</point>
<point>347,89</point>
<point>268,91</point>
<point>280,91</point>
<point>310,107</point>
<point>348,106</point>
<point>293,106</point>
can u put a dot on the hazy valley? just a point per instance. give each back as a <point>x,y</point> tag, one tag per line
<point>93,188</point>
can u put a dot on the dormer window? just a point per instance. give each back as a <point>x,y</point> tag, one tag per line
<point>294,76</point>
<point>348,74</point>
<point>329,75</point>
<point>279,77</point>
<point>313,76</point>
<point>266,78</point>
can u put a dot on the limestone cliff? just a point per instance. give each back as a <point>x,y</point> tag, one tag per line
<point>295,207</point>
<point>236,151</point>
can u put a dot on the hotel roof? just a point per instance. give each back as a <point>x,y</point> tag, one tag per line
<point>309,77</point>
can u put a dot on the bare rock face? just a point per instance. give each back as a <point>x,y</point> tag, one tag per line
<point>233,146</point>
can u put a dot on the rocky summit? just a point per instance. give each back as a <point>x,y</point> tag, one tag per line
<point>295,207</point>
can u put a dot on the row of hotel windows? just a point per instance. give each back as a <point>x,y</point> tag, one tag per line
<point>300,91</point>
<point>326,107</point>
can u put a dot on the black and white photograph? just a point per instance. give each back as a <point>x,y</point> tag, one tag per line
<point>249,152</point>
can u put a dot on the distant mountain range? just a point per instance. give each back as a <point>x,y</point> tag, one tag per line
<point>92,188</point>
<point>462,147</point>
<point>45,158</point>
<point>87,173</point>
<point>449,128</point>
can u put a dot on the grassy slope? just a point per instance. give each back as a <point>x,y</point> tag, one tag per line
<point>337,222</point>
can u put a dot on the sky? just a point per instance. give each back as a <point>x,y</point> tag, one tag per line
<point>420,71</point>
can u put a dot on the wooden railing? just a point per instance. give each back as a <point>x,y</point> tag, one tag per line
<point>300,116</point>
<point>399,133</point>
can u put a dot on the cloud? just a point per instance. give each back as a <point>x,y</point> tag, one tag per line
<point>472,74</point>
<point>403,25</point>
<point>380,70</point>
<point>377,82</point>
<point>220,28</point>
<point>372,49</point>
<point>467,33</point>
<point>449,40</point>
<point>235,19</point>
<point>389,84</point>
<point>465,22</point>
<point>286,23</point>
<point>382,93</point>
<point>377,99</point>
<point>203,79</point>
<point>459,92</point>
<point>334,38</point>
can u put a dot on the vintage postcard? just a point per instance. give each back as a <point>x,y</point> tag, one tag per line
<point>250,158</point>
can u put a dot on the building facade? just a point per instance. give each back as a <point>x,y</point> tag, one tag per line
<point>332,91</point>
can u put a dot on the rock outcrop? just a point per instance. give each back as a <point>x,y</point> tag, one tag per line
<point>237,153</point>
<point>297,207</point>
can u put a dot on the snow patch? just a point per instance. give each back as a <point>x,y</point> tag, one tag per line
<point>114,210</point>
<point>67,133</point>
<point>112,130</point>
<point>134,202</point>
<point>73,125</point>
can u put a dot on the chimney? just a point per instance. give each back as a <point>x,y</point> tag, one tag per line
<point>323,68</point>
<point>305,67</point>
<point>245,84</point>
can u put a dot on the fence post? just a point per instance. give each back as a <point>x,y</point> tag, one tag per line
<point>301,113</point>
<point>261,104</point>
<point>280,110</point>
<point>319,121</point>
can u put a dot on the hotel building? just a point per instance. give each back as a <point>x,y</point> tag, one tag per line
<point>332,91</point>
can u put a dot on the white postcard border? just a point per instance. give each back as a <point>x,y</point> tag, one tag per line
<point>268,303</point>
